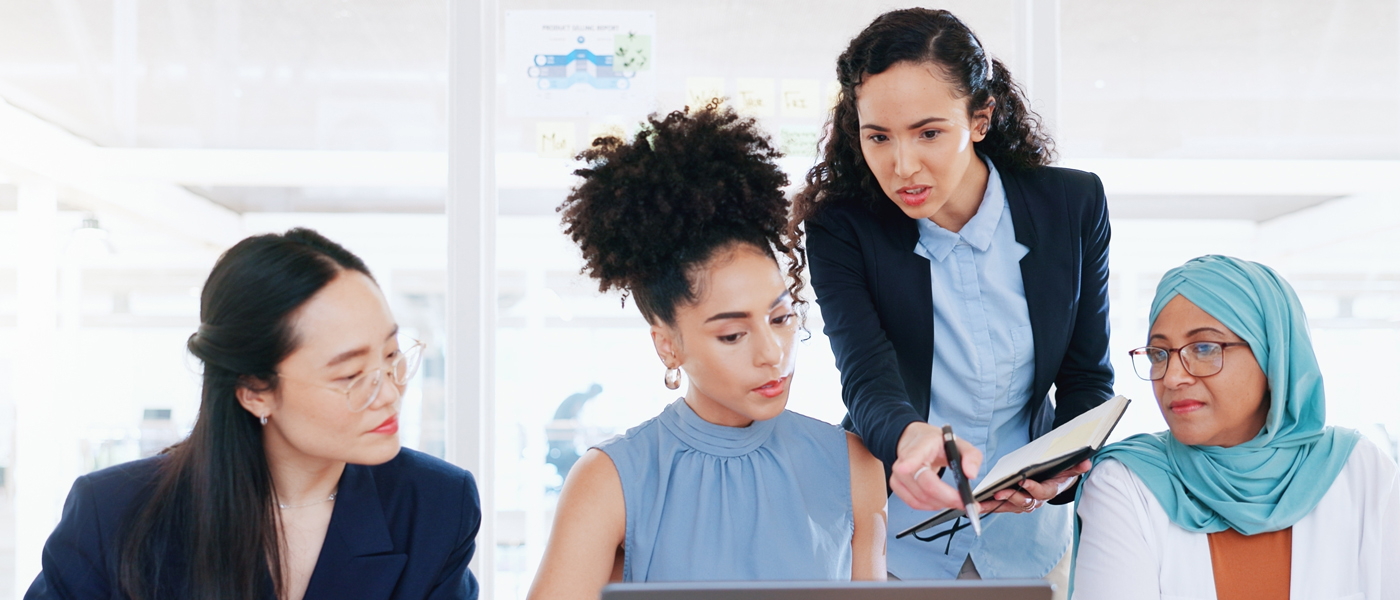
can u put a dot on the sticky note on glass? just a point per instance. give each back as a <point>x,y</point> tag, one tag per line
<point>699,91</point>
<point>796,140</point>
<point>802,98</point>
<point>555,139</point>
<point>631,52</point>
<point>833,94</point>
<point>755,96</point>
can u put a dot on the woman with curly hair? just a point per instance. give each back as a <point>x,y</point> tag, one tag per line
<point>933,214</point>
<point>689,218</point>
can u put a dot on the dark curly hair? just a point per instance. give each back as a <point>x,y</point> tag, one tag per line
<point>919,35</point>
<point>651,212</point>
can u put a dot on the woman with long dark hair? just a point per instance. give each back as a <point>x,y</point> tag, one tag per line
<point>933,214</point>
<point>292,484</point>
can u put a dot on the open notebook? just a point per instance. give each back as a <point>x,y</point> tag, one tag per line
<point>1060,449</point>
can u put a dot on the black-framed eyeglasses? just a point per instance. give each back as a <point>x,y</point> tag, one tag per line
<point>1200,359</point>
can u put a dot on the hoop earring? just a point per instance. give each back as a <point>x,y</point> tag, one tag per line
<point>673,379</point>
<point>263,420</point>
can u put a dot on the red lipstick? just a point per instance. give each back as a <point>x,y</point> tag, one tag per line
<point>772,389</point>
<point>1182,407</point>
<point>390,426</point>
<point>913,195</point>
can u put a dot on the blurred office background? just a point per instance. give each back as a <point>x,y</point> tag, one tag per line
<point>140,138</point>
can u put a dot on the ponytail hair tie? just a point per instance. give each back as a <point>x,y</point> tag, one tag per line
<point>199,343</point>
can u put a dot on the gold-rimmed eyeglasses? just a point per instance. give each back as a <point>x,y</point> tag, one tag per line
<point>363,390</point>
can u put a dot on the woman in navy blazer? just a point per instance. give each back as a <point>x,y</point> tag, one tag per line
<point>930,143</point>
<point>292,484</point>
<point>884,343</point>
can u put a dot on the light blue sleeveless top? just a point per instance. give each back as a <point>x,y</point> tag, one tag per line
<point>707,502</point>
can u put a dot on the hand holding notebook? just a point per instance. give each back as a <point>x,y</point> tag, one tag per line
<point>1043,458</point>
<point>1031,494</point>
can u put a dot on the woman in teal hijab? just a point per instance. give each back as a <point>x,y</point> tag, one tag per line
<point>1250,494</point>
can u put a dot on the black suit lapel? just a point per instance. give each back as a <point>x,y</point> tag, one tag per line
<point>1048,272</point>
<point>357,559</point>
<point>907,287</point>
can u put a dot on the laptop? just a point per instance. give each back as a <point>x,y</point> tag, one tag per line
<point>1000,589</point>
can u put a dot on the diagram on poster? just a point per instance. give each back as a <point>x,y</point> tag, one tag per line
<point>580,63</point>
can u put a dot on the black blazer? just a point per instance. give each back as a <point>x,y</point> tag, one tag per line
<point>402,530</point>
<point>876,298</point>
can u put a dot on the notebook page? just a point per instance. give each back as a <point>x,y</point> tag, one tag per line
<point>1082,431</point>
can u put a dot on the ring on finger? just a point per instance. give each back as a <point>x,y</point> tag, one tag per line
<point>1029,504</point>
<point>920,472</point>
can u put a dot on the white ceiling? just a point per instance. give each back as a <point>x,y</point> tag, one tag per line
<point>309,74</point>
<point>1263,79</point>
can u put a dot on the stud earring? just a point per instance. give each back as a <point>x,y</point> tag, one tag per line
<point>263,419</point>
<point>673,379</point>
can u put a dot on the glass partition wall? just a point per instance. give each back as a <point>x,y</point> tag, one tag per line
<point>574,366</point>
<point>138,140</point>
<point>1204,121</point>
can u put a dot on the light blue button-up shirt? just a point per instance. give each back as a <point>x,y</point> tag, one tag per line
<point>983,369</point>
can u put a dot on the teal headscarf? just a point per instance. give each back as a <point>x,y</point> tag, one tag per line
<point>1273,481</point>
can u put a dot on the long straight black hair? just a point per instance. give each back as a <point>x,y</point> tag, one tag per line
<point>214,503</point>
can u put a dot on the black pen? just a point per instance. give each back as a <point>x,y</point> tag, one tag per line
<point>950,447</point>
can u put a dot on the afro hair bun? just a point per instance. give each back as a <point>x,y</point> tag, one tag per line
<point>687,184</point>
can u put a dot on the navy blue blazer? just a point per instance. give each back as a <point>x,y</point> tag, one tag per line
<point>876,298</point>
<point>402,530</point>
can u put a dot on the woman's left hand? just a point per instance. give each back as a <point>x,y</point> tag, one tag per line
<point>1031,495</point>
